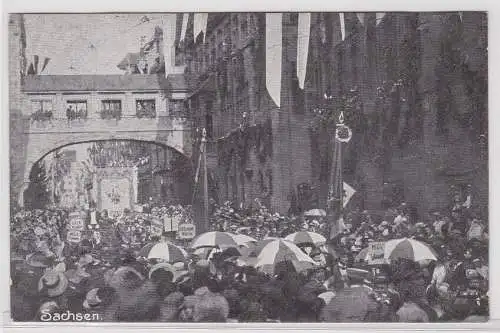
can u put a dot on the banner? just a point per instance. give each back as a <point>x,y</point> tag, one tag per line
<point>76,221</point>
<point>74,236</point>
<point>273,55</point>
<point>186,231</point>
<point>171,223</point>
<point>185,19</point>
<point>376,252</point>
<point>304,30</point>
<point>379,17</point>
<point>348,193</point>
<point>342,25</point>
<point>200,24</point>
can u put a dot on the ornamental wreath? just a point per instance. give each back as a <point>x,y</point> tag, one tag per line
<point>343,133</point>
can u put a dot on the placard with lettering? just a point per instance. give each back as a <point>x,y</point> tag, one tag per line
<point>76,221</point>
<point>376,253</point>
<point>74,236</point>
<point>186,231</point>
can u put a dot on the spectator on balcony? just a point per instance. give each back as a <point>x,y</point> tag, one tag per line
<point>70,113</point>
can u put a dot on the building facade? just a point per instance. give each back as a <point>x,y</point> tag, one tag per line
<point>417,85</point>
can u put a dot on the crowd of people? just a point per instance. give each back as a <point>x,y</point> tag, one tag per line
<point>111,280</point>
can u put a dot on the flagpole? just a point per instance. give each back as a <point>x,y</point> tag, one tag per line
<point>205,177</point>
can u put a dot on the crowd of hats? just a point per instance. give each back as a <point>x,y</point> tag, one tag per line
<point>261,222</point>
<point>117,282</point>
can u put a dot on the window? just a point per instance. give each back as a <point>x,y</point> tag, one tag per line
<point>76,110</point>
<point>111,109</point>
<point>145,108</point>
<point>41,110</point>
<point>177,108</point>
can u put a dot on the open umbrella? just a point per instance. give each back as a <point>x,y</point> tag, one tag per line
<point>276,251</point>
<point>163,250</point>
<point>306,237</point>
<point>403,248</point>
<point>244,239</point>
<point>214,239</point>
<point>315,212</point>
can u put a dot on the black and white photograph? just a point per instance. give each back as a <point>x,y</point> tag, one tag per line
<point>248,167</point>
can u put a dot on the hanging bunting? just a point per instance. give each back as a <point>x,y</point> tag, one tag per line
<point>361,18</point>
<point>304,30</point>
<point>185,20</point>
<point>342,25</point>
<point>204,25</point>
<point>35,63</point>
<point>273,55</point>
<point>169,33</point>
<point>322,29</point>
<point>200,24</point>
<point>45,63</point>
<point>379,17</point>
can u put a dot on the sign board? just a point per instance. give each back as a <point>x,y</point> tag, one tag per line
<point>74,236</point>
<point>475,231</point>
<point>376,251</point>
<point>186,231</point>
<point>171,223</point>
<point>76,221</point>
<point>156,227</point>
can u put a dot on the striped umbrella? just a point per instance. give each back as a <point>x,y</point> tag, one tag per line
<point>163,250</point>
<point>403,248</point>
<point>306,237</point>
<point>214,239</point>
<point>275,251</point>
<point>244,239</point>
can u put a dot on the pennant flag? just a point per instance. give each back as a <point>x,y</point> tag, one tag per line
<point>304,30</point>
<point>189,36</point>
<point>36,64</point>
<point>342,25</point>
<point>169,33</point>
<point>45,63</point>
<point>361,18</point>
<point>185,20</point>
<point>273,55</point>
<point>322,29</point>
<point>200,24</point>
<point>352,23</point>
<point>461,15</point>
<point>348,193</point>
<point>379,17</point>
<point>31,70</point>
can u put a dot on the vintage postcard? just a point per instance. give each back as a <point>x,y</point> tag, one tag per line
<point>324,167</point>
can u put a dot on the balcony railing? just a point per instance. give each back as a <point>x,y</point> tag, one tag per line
<point>96,124</point>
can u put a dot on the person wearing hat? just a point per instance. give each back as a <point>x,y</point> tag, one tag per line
<point>97,299</point>
<point>53,283</point>
<point>356,303</point>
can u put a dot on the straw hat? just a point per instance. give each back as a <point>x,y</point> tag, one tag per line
<point>123,278</point>
<point>177,274</point>
<point>91,299</point>
<point>54,282</point>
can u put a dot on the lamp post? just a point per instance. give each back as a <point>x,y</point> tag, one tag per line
<point>205,178</point>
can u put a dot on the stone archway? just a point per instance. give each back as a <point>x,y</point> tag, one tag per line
<point>40,150</point>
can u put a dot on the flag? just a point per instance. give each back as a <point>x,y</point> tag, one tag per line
<point>273,55</point>
<point>45,63</point>
<point>190,37</point>
<point>342,25</point>
<point>304,30</point>
<point>31,70</point>
<point>200,24</point>
<point>185,19</point>
<point>361,18</point>
<point>36,64</point>
<point>348,193</point>
<point>169,33</point>
<point>352,24</point>
<point>379,17</point>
